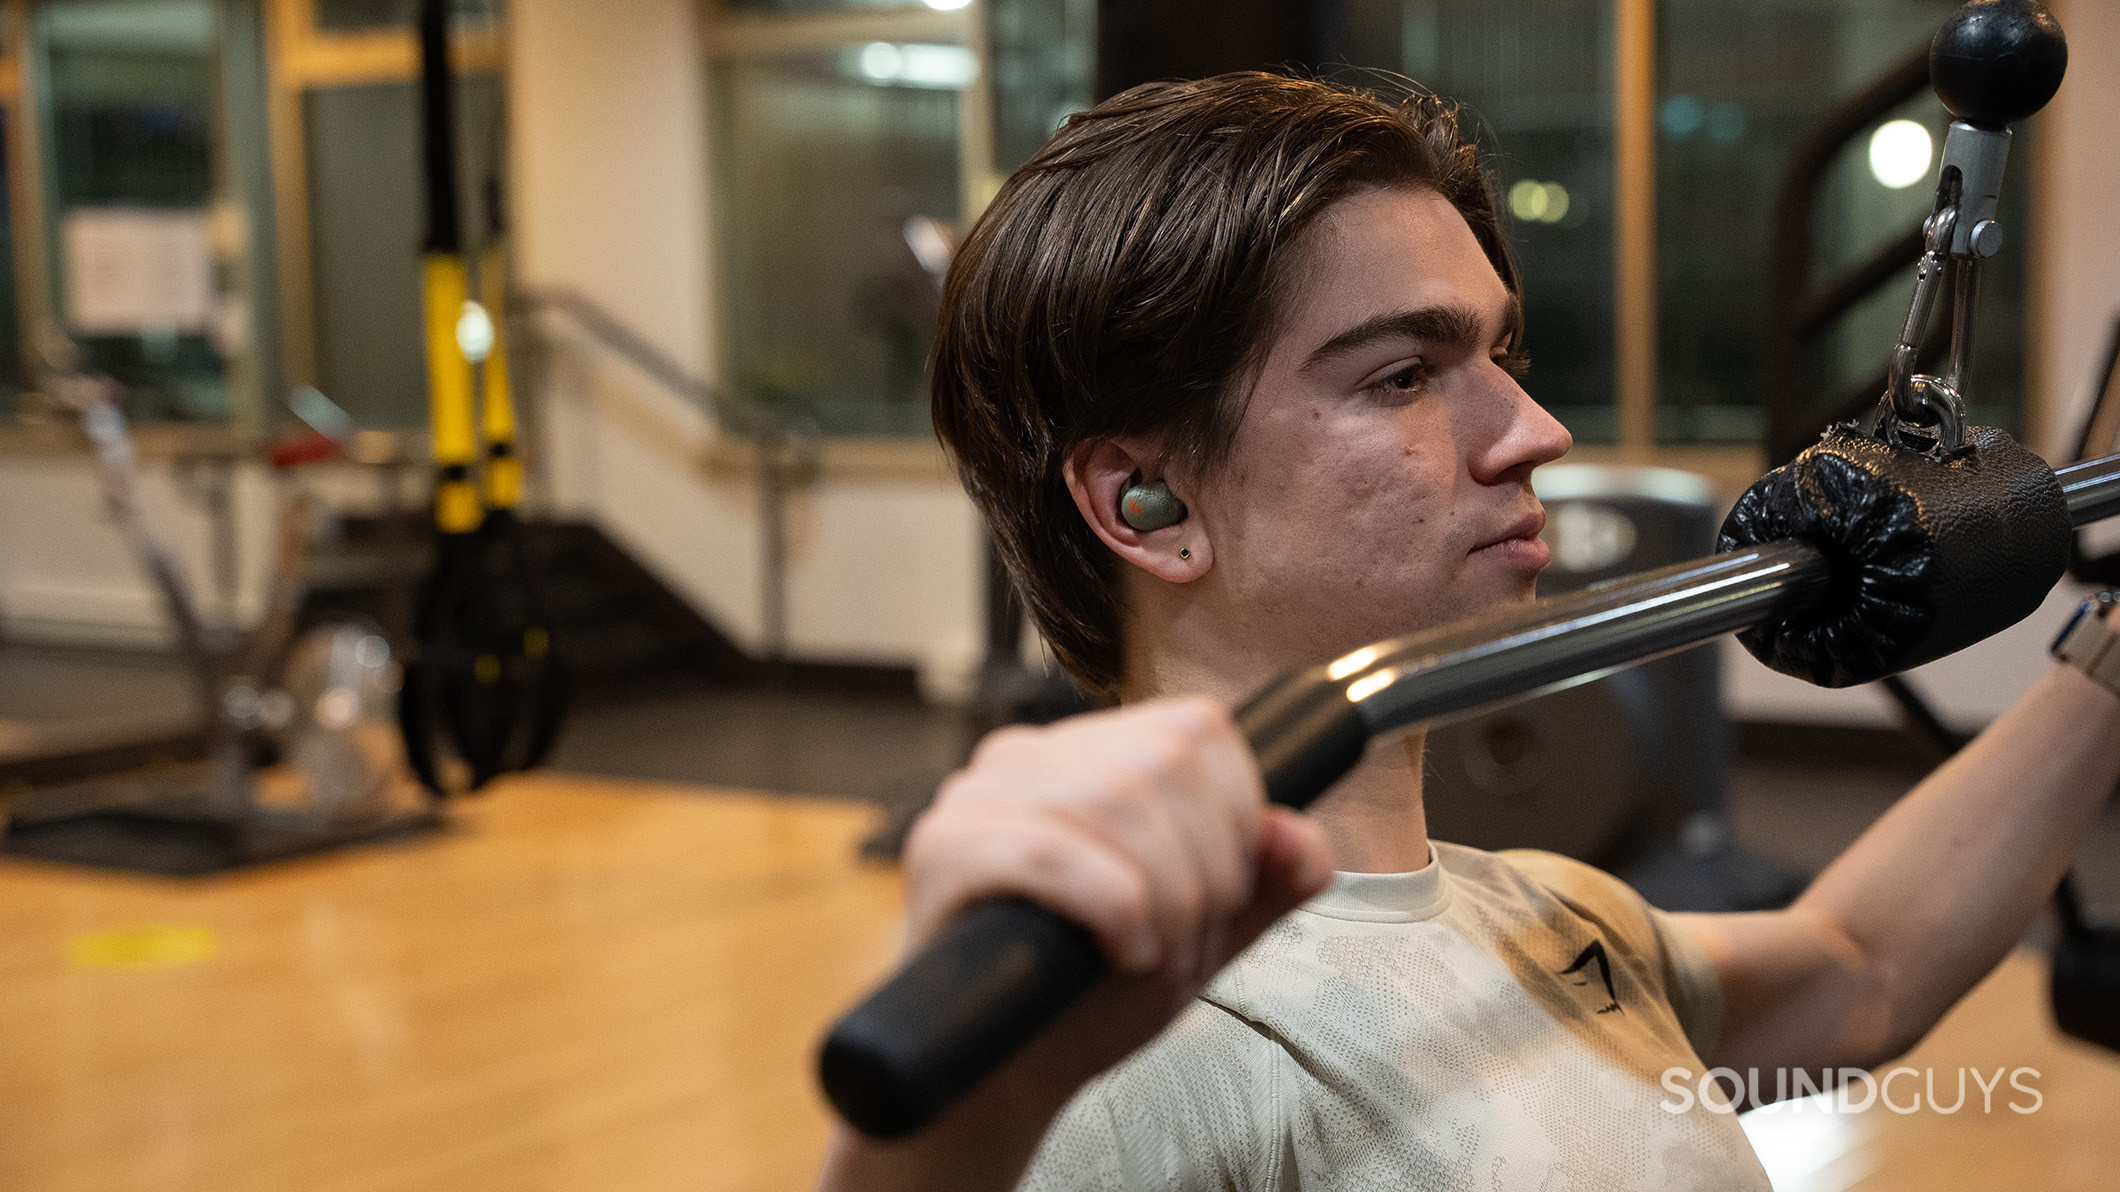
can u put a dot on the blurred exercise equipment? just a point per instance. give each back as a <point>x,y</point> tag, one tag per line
<point>299,757</point>
<point>482,679</point>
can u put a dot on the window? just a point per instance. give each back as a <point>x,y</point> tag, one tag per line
<point>1735,86</point>
<point>1738,86</point>
<point>826,153</point>
<point>129,145</point>
<point>836,127</point>
<point>133,145</point>
<point>1536,79</point>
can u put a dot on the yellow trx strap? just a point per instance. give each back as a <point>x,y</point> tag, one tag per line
<point>504,469</point>
<point>457,507</point>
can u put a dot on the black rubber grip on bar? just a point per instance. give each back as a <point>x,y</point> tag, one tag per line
<point>1005,969</point>
<point>970,1000</point>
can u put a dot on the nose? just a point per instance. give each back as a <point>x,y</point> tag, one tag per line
<point>1523,437</point>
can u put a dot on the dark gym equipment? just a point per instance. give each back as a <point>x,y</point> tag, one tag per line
<point>2030,56</point>
<point>1933,555</point>
<point>1003,969</point>
<point>1190,39</point>
<point>482,676</point>
<point>1604,771</point>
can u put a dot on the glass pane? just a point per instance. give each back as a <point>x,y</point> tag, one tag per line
<point>1044,55</point>
<point>367,219</point>
<point>1537,77</point>
<point>823,160</point>
<point>131,177</point>
<point>352,16</point>
<point>1739,86</point>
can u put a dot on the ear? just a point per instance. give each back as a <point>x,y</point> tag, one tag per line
<point>1098,472</point>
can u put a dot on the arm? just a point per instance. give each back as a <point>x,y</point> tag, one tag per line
<point>1147,825</point>
<point>1928,900</point>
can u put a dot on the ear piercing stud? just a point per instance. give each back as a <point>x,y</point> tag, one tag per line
<point>1185,552</point>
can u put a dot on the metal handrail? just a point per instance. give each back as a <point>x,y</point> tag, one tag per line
<point>789,449</point>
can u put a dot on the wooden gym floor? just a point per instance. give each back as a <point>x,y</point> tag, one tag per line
<point>612,985</point>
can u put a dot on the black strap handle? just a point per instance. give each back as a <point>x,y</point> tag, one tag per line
<point>1005,969</point>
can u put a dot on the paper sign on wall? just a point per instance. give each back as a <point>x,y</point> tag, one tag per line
<point>130,270</point>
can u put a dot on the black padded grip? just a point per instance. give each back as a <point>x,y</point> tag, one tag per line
<point>1005,969</point>
<point>985,987</point>
<point>1929,557</point>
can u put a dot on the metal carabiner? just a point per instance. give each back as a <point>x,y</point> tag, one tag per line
<point>1921,412</point>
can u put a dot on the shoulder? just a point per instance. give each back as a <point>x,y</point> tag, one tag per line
<point>1660,944</point>
<point>1197,1107</point>
<point>1586,889</point>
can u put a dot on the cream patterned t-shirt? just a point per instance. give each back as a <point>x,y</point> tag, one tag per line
<point>1492,1021</point>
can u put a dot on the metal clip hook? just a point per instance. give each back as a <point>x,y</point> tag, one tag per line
<point>1921,412</point>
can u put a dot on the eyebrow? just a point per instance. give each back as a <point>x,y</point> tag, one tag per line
<point>1445,326</point>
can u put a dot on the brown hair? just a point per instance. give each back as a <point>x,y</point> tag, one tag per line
<point>1125,282</point>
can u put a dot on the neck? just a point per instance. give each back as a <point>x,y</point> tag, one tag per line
<point>1374,816</point>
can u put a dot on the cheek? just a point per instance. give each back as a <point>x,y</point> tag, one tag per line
<point>1402,468</point>
<point>1379,507</point>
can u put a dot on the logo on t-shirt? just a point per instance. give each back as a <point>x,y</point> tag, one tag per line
<point>1596,952</point>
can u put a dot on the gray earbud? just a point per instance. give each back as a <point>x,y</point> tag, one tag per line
<point>1148,507</point>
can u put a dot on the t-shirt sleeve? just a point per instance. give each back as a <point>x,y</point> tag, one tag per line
<point>1194,1109</point>
<point>1688,975</point>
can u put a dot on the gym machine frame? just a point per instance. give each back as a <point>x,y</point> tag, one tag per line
<point>1005,968</point>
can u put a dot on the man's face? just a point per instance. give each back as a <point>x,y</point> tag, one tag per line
<point>1380,479</point>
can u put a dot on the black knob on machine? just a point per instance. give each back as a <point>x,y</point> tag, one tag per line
<point>1997,61</point>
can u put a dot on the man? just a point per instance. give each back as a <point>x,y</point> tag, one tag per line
<point>1290,305</point>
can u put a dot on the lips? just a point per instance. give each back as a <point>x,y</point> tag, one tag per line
<point>1523,529</point>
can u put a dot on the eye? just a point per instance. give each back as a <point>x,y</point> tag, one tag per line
<point>1410,379</point>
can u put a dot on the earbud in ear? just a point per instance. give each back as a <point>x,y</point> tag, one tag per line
<point>1148,507</point>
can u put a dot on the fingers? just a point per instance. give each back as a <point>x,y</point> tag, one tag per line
<point>1143,824</point>
<point>963,857</point>
<point>1178,802</point>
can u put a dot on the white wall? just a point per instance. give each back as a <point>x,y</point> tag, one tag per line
<point>882,568</point>
<point>608,160</point>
